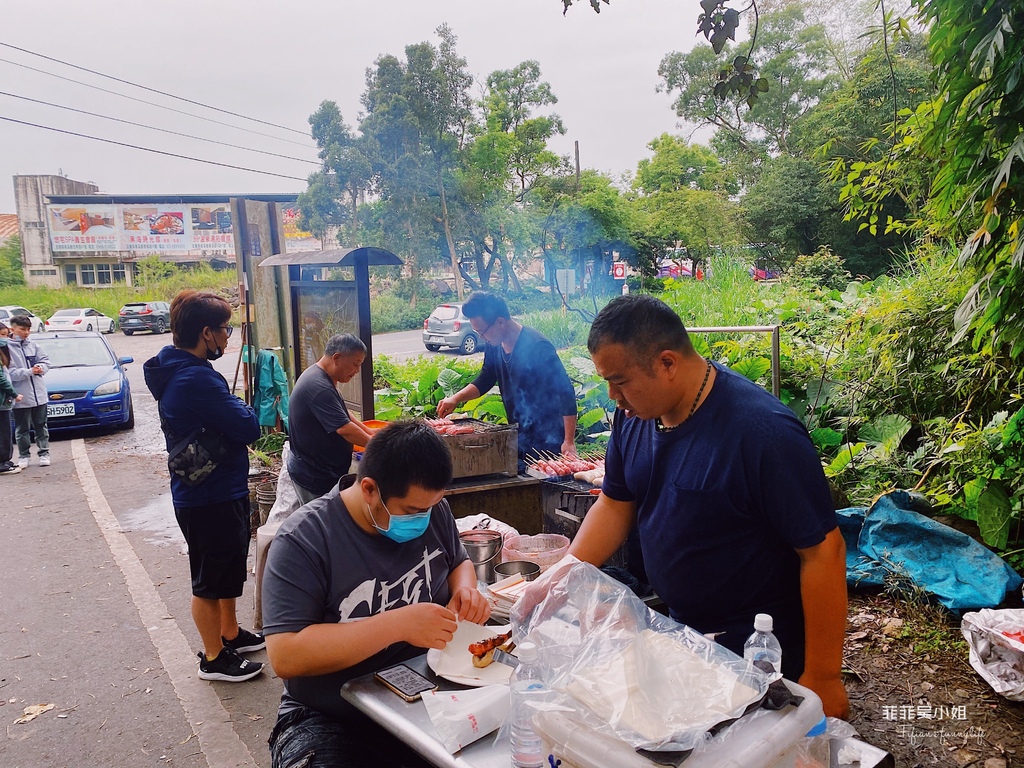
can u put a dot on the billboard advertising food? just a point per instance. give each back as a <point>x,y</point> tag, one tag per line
<point>177,228</point>
<point>82,227</point>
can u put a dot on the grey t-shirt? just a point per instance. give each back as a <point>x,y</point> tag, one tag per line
<point>323,568</point>
<point>316,411</point>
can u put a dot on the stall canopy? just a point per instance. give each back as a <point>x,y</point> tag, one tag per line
<point>334,257</point>
<point>321,308</point>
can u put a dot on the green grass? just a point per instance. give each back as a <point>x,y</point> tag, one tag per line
<point>109,300</point>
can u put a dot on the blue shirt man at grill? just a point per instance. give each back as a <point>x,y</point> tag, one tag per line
<point>535,388</point>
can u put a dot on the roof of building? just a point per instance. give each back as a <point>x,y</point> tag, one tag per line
<point>165,199</point>
<point>8,225</point>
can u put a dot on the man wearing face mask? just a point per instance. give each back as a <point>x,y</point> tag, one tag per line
<point>214,514</point>
<point>357,581</point>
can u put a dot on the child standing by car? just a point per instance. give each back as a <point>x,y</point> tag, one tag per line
<point>8,397</point>
<point>29,365</point>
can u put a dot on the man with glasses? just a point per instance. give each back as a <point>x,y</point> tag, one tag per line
<point>213,514</point>
<point>357,581</point>
<point>534,386</point>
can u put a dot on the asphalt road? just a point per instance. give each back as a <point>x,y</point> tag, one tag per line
<point>94,613</point>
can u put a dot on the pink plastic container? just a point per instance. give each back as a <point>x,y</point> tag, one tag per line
<point>544,549</point>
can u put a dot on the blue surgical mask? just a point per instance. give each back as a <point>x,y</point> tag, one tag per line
<point>402,528</point>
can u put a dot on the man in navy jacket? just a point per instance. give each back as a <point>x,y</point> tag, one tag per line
<point>213,515</point>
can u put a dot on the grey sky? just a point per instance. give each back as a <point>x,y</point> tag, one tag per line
<point>277,61</point>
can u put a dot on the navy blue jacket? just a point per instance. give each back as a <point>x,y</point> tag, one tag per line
<point>191,394</point>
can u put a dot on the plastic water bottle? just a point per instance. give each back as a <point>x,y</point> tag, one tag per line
<point>525,686</point>
<point>764,646</point>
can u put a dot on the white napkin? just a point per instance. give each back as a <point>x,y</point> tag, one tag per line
<point>462,717</point>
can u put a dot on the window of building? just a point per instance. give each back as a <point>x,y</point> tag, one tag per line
<point>70,274</point>
<point>88,274</point>
<point>118,272</point>
<point>103,273</point>
<point>42,272</point>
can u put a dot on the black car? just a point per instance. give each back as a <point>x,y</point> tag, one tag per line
<point>152,316</point>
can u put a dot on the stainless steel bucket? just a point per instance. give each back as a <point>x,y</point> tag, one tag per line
<point>484,549</point>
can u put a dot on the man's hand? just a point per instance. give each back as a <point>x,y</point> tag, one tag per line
<point>37,370</point>
<point>19,398</point>
<point>832,693</point>
<point>469,605</point>
<point>569,448</point>
<point>447,406</point>
<point>428,625</point>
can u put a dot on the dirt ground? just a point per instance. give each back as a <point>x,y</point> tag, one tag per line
<point>914,694</point>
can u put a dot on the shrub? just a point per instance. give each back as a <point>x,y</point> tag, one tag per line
<point>390,313</point>
<point>822,269</point>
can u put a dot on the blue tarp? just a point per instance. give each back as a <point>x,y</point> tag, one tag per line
<point>889,537</point>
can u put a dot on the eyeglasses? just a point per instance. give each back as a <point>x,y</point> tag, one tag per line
<point>228,330</point>
<point>485,330</point>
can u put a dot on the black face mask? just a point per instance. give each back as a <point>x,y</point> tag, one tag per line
<point>213,354</point>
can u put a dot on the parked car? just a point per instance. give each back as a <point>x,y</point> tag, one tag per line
<point>87,382</point>
<point>152,316</point>
<point>13,310</point>
<point>448,327</point>
<point>81,319</point>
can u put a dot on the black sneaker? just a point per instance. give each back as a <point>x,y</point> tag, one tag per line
<point>245,642</point>
<point>10,468</point>
<point>228,666</point>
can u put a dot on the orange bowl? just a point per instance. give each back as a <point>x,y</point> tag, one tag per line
<point>372,424</point>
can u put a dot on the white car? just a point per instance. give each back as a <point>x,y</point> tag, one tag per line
<point>82,319</point>
<point>13,310</point>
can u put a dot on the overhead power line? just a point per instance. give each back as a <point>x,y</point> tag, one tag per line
<point>153,103</point>
<point>153,90</point>
<point>150,149</point>
<point>155,128</point>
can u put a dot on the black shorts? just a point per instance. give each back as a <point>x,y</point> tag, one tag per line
<point>218,538</point>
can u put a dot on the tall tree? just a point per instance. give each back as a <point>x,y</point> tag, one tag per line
<point>347,173</point>
<point>501,166</point>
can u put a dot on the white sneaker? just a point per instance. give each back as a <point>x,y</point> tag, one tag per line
<point>23,462</point>
<point>44,460</point>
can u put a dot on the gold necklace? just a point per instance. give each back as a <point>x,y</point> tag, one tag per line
<point>662,428</point>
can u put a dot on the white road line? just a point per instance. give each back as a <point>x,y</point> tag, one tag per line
<point>207,716</point>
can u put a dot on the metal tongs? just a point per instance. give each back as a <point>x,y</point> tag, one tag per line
<point>505,657</point>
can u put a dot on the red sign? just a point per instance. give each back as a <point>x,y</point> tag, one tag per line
<point>619,270</point>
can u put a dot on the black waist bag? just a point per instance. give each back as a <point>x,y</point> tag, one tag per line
<point>194,458</point>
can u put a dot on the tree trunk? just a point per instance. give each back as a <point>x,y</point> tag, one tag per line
<point>448,236</point>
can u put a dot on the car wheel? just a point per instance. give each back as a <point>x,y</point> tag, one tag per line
<point>130,424</point>
<point>161,326</point>
<point>432,347</point>
<point>469,344</point>
<point>127,333</point>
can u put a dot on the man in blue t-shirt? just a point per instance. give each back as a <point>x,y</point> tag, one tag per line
<point>734,513</point>
<point>356,581</point>
<point>535,388</point>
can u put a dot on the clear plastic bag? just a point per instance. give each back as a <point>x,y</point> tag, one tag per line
<point>627,671</point>
<point>996,648</point>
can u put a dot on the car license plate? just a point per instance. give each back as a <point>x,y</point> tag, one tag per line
<point>54,410</point>
<point>436,340</point>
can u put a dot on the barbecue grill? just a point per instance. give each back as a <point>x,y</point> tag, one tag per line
<point>490,449</point>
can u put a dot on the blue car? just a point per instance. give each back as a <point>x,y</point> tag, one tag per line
<point>86,382</point>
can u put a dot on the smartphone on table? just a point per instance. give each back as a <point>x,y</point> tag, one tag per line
<point>405,681</point>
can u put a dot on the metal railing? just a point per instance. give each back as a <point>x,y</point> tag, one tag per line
<point>772,329</point>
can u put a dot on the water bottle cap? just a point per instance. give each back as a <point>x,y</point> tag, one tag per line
<point>820,728</point>
<point>527,651</point>
<point>763,623</point>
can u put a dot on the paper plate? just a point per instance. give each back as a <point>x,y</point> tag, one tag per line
<point>455,662</point>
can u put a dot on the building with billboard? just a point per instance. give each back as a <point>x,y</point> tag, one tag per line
<point>72,234</point>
